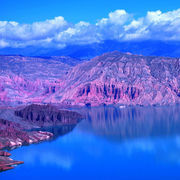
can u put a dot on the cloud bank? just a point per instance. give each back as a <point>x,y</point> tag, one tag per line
<point>119,25</point>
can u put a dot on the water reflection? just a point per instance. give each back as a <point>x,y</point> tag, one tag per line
<point>132,122</point>
<point>111,143</point>
<point>48,157</point>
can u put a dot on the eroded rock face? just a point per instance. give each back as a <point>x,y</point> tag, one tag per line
<point>15,89</point>
<point>26,80</point>
<point>122,78</point>
<point>47,115</point>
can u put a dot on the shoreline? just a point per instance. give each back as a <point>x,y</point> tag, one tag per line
<point>6,163</point>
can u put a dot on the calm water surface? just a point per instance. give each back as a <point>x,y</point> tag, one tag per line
<point>112,143</point>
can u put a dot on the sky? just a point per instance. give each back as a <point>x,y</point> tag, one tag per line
<point>29,11</point>
<point>62,22</point>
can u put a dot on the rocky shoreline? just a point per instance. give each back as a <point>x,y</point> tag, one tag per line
<point>13,135</point>
<point>29,126</point>
<point>7,163</point>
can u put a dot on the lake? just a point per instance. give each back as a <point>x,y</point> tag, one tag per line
<point>111,143</point>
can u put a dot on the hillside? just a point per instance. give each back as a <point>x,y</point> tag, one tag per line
<point>30,79</point>
<point>124,79</point>
<point>35,67</point>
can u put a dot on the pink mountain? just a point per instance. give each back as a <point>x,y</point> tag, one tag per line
<point>112,78</point>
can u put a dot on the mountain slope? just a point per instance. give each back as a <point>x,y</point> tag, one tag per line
<point>122,78</point>
<point>29,79</point>
<point>35,67</point>
<point>112,78</point>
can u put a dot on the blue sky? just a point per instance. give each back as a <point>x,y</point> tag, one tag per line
<point>58,23</point>
<point>28,11</point>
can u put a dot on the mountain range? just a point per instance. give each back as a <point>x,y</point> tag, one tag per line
<point>89,51</point>
<point>111,78</point>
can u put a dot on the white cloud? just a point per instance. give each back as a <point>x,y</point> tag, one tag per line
<point>118,17</point>
<point>156,26</point>
<point>81,33</point>
<point>3,43</point>
<point>119,25</point>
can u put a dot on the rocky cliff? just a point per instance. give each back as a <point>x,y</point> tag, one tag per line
<point>47,115</point>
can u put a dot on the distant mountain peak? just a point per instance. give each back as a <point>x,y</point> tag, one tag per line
<point>88,51</point>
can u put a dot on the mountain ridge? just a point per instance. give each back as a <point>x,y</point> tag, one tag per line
<point>123,78</point>
<point>112,78</point>
<point>88,51</point>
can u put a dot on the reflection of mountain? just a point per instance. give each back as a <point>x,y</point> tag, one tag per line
<point>132,122</point>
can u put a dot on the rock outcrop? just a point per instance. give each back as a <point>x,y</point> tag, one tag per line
<point>33,119</point>
<point>37,123</point>
<point>13,135</point>
<point>47,115</point>
<point>7,163</point>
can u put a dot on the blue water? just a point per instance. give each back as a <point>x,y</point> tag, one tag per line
<point>112,143</point>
